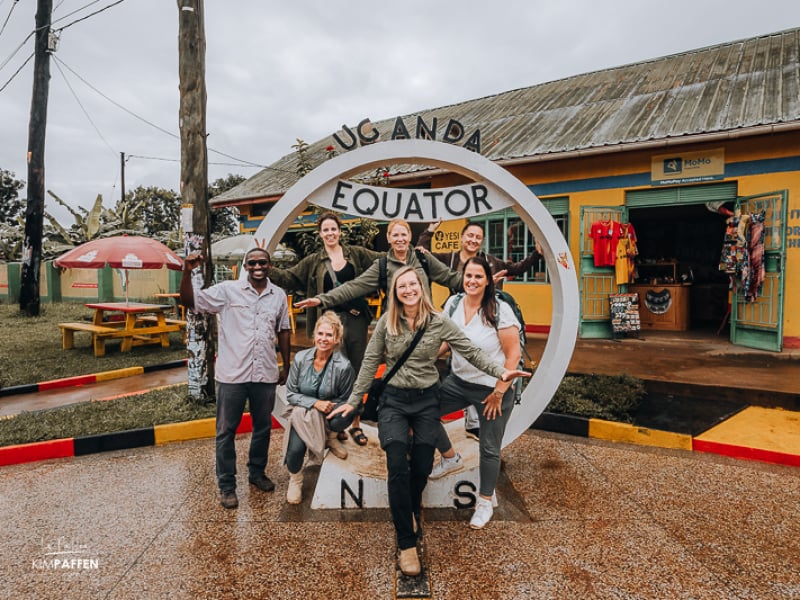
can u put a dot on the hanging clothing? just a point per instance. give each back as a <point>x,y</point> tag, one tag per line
<point>757,272</point>
<point>626,251</point>
<point>605,236</point>
<point>735,258</point>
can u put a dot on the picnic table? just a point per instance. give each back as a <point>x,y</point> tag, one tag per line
<point>180,310</point>
<point>136,323</point>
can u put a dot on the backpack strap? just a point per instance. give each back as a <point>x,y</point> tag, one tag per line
<point>453,305</point>
<point>423,260</point>
<point>383,283</point>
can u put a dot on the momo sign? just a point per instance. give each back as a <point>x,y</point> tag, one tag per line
<point>379,203</point>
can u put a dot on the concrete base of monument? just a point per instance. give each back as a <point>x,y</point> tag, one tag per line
<point>360,480</point>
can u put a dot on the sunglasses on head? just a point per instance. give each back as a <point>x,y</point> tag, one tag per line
<point>261,262</point>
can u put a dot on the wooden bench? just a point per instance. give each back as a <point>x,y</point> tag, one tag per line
<point>171,325</point>
<point>98,332</point>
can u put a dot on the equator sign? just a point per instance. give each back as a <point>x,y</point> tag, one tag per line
<point>493,188</point>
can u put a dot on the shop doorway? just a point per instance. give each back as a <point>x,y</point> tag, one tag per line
<point>679,251</point>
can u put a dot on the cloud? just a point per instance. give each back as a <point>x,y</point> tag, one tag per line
<point>276,72</point>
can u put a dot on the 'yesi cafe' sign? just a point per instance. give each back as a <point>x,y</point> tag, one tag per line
<point>366,133</point>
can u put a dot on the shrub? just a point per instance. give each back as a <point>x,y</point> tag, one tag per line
<point>610,397</point>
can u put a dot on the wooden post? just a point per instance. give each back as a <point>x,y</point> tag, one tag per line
<point>37,127</point>
<point>194,187</point>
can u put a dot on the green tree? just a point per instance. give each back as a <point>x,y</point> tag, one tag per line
<point>12,207</point>
<point>160,209</point>
<point>224,221</point>
<point>12,216</point>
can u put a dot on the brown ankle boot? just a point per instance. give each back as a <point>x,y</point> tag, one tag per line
<point>409,562</point>
<point>336,447</point>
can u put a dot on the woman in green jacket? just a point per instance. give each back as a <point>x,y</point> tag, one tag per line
<point>332,266</point>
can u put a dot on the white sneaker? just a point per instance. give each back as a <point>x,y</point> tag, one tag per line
<point>483,513</point>
<point>446,465</point>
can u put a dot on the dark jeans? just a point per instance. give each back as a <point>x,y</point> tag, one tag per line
<point>408,463</point>
<point>231,398</point>
<point>296,447</point>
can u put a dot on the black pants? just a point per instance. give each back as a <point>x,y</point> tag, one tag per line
<point>408,463</point>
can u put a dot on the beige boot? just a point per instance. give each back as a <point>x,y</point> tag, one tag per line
<point>409,562</point>
<point>337,448</point>
<point>294,493</point>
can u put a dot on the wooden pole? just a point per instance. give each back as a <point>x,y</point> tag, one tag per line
<point>194,188</point>
<point>37,126</point>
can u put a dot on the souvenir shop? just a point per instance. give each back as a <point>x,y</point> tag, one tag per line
<point>684,259</point>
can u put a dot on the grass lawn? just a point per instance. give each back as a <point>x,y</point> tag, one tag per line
<point>30,352</point>
<point>30,347</point>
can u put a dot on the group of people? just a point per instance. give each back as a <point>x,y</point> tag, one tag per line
<point>327,382</point>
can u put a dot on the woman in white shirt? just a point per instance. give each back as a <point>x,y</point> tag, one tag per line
<point>491,325</point>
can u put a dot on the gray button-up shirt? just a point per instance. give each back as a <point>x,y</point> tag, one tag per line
<point>419,371</point>
<point>248,326</point>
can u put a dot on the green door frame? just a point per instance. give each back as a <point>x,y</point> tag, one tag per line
<point>596,283</point>
<point>758,323</point>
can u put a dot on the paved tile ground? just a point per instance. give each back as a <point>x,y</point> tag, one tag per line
<point>582,518</point>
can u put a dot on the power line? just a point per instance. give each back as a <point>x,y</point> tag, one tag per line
<point>85,112</point>
<point>27,60</point>
<point>11,10</point>
<point>178,160</point>
<point>77,10</point>
<point>17,49</point>
<point>97,12</point>
<point>161,129</point>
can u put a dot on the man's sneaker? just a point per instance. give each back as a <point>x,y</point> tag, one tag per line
<point>474,434</point>
<point>483,513</point>
<point>262,482</point>
<point>446,465</point>
<point>228,498</point>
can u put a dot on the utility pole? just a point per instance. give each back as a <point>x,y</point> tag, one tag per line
<point>122,176</point>
<point>37,126</point>
<point>200,328</point>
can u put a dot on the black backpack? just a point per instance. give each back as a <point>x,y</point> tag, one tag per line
<point>503,296</point>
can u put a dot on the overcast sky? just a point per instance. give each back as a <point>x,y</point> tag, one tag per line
<point>278,71</point>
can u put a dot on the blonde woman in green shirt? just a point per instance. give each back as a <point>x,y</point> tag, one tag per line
<point>410,401</point>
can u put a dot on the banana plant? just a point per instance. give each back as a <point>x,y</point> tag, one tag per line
<point>87,226</point>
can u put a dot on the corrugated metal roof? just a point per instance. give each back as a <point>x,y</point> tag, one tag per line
<point>742,84</point>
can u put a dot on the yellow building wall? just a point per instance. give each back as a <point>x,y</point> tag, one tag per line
<point>79,284</point>
<point>3,279</point>
<point>143,283</point>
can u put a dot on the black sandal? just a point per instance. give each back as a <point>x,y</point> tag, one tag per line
<point>358,436</point>
<point>341,436</point>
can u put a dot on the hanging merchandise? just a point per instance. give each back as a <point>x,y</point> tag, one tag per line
<point>605,236</point>
<point>626,251</point>
<point>756,272</point>
<point>736,254</point>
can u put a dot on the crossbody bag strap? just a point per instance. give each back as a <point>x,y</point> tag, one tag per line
<point>405,355</point>
<point>332,273</point>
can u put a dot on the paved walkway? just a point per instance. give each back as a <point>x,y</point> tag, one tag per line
<point>578,518</point>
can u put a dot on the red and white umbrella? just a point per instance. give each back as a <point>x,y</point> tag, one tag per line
<point>121,252</point>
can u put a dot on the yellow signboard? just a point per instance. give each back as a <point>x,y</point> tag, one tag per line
<point>689,167</point>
